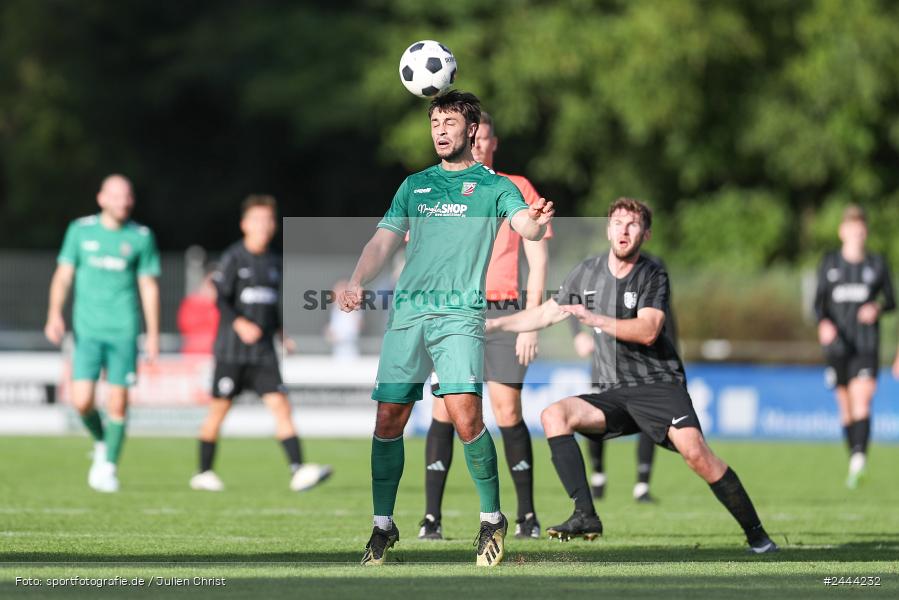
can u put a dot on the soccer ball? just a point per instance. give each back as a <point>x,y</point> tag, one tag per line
<point>427,68</point>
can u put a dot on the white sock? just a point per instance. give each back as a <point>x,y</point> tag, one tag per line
<point>857,462</point>
<point>99,450</point>
<point>597,479</point>
<point>640,489</point>
<point>382,522</point>
<point>492,517</point>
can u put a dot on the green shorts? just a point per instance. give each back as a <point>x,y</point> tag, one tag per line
<point>118,356</point>
<point>453,347</point>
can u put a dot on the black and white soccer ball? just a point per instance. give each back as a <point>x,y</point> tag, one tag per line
<point>427,68</point>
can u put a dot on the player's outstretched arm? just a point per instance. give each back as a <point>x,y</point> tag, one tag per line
<point>644,329</point>
<point>531,224</point>
<point>532,319</point>
<point>149,299</point>
<point>537,254</point>
<point>374,256</point>
<point>60,284</point>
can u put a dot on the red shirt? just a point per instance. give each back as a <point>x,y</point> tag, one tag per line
<point>502,273</point>
<point>198,321</point>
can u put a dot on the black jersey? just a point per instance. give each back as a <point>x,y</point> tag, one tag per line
<point>670,317</point>
<point>617,363</point>
<point>249,286</point>
<point>842,288</point>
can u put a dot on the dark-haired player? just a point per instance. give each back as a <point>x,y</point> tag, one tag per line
<point>452,212</point>
<point>248,286</point>
<point>506,361</point>
<point>854,289</point>
<point>641,377</point>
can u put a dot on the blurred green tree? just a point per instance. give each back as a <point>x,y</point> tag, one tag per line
<point>777,112</point>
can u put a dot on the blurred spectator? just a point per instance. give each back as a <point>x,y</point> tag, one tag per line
<point>343,328</point>
<point>198,318</point>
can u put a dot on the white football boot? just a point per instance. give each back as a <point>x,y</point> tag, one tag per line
<point>106,479</point>
<point>207,481</point>
<point>309,475</point>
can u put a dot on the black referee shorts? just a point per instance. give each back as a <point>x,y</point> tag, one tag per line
<point>500,363</point>
<point>843,368</point>
<point>650,408</point>
<point>230,379</point>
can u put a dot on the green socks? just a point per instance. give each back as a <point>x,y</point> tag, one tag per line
<point>113,434</point>
<point>387,460</point>
<point>115,437</point>
<point>94,424</point>
<point>480,456</point>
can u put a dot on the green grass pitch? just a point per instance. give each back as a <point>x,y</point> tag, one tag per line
<point>266,541</point>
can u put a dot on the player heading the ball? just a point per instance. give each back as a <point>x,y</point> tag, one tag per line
<point>422,337</point>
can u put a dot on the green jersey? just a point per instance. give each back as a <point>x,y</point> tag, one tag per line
<point>107,264</point>
<point>452,218</point>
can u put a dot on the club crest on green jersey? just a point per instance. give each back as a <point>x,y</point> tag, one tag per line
<point>468,187</point>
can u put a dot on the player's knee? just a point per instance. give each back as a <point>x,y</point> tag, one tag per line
<point>469,428</point>
<point>439,412</point>
<point>83,402</point>
<point>116,415</point>
<point>83,406</point>
<point>388,431</point>
<point>553,417</point>
<point>507,416</point>
<point>389,422</point>
<point>694,455</point>
<point>117,411</point>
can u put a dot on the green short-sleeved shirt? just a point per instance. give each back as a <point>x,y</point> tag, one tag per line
<point>452,218</point>
<point>107,264</point>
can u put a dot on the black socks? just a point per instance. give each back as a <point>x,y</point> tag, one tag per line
<point>292,450</point>
<point>731,493</point>
<point>569,464</point>
<point>438,457</point>
<point>207,455</point>
<point>646,449</point>
<point>520,457</point>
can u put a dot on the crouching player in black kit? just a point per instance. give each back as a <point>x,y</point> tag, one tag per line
<point>850,282</point>
<point>248,281</point>
<point>642,385</point>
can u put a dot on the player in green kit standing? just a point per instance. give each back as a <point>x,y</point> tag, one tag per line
<point>451,212</point>
<point>113,263</point>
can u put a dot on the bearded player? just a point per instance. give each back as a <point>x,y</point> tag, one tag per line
<point>642,385</point>
<point>113,263</point>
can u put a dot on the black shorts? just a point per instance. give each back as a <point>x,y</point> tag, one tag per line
<point>842,368</point>
<point>231,379</point>
<point>650,408</point>
<point>500,363</point>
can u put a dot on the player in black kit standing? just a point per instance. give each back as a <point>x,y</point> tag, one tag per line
<point>642,385</point>
<point>248,282</point>
<point>854,289</point>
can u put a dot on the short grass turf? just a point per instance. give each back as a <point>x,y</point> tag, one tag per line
<point>259,539</point>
